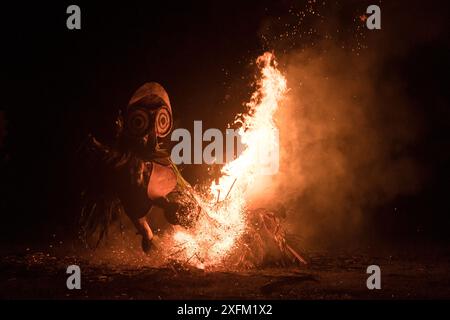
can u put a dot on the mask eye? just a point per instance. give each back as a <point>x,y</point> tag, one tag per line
<point>138,123</point>
<point>163,122</point>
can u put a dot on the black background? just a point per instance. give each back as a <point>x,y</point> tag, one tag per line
<point>59,85</point>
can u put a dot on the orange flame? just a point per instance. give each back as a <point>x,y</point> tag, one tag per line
<point>217,232</point>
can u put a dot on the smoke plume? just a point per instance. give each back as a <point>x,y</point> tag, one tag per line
<point>347,125</point>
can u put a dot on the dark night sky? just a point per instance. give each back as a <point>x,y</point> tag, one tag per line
<point>59,85</point>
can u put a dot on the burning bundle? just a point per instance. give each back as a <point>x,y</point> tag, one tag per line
<point>226,230</point>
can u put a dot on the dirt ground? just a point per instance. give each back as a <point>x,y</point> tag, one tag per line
<point>41,274</point>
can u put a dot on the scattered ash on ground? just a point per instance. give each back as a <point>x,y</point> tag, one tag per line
<point>41,274</point>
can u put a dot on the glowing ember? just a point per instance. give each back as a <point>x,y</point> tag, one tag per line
<point>219,229</point>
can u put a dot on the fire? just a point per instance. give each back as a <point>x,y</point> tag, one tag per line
<point>218,231</point>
